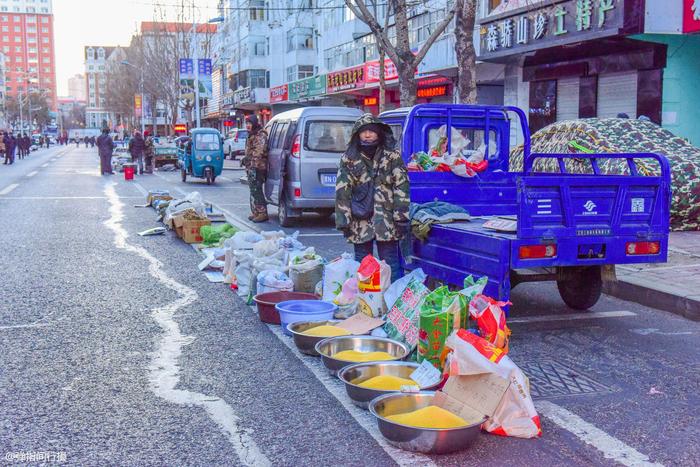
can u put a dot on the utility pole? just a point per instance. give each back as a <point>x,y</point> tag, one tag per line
<point>195,59</point>
<point>21,118</point>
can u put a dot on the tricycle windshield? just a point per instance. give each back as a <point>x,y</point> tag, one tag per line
<point>466,141</point>
<point>207,142</point>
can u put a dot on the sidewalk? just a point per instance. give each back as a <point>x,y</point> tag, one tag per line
<point>233,165</point>
<point>673,286</point>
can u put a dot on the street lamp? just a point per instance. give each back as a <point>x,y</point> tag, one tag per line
<point>195,60</point>
<point>143,121</point>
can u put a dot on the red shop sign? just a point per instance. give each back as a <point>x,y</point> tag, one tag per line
<point>279,93</point>
<point>435,91</point>
<point>352,78</point>
<point>372,71</point>
<point>691,15</point>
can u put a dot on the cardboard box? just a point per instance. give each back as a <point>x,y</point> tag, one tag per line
<point>472,396</point>
<point>188,230</point>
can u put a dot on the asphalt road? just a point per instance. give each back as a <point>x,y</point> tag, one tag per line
<point>116,350</point>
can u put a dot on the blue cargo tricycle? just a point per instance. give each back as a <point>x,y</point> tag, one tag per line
<point>572,228</point>
<point>201,155</point>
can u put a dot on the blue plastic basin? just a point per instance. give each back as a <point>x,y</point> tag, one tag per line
<point>293,311</point>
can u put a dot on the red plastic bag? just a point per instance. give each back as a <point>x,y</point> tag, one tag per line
<point>491,320</point>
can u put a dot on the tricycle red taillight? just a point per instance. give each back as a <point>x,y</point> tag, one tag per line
<point>538,251</point>
<point>642,248</point>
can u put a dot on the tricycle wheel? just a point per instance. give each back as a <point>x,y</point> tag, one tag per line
<point>209,175</point>
<point>283,214</point>
<point>183,174</point>
<point>580,288</point>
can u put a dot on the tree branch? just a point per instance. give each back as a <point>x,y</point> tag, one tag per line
<point>364,15</point>
<point>434,35</point>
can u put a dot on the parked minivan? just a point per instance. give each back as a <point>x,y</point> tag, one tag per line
<point>305,146</point>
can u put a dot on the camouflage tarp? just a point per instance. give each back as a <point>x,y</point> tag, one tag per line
<point>619,135</point>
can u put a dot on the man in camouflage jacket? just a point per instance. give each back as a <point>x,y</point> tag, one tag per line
<point>372,167</point>
<point>255,162</point>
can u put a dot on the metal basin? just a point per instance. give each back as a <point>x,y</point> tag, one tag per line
<point>426,440</point>
<point>307,344</point>
<point>333,345</point>
<point>360,372</point>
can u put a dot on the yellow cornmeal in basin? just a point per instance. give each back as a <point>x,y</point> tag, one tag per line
<point>386,383</point>
<point>326,331</point>
<point>429,417</point>
<point>357,356</point>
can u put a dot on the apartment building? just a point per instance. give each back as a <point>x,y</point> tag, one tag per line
<point>27,41</point>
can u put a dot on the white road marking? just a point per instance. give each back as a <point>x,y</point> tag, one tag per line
<point>611,448</point>
<point>141,189</point>
<point>361,416</point>
<point>45,165</point>
<point>573,316</point>
<point>225,178</point>
<point>66,197</point>
<point>31,174</point>
<point>9,188</point>
<point>164,378</point>
<point>647,331</point>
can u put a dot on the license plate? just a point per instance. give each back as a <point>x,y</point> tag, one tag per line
<point>328,179</point>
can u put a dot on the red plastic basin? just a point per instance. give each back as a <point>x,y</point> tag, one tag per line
<point>266,303</point>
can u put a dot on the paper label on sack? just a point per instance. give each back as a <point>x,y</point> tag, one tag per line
<point>481,393</point>
<point>360,323</point>
<point>426,374</point>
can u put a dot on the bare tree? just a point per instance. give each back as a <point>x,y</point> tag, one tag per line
<point>400,52</point>
<point>35,108</point>
<point>122,83</point>
<point>464,49</point>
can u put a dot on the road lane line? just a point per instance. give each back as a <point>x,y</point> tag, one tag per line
<point>572,316</point>
<point>45,165</point>
<point>141,189</point>
<point>363,417</point>
<point>31,174</point>
<point>9,188</point>
<point>611,448</point>
<point>164,378</point>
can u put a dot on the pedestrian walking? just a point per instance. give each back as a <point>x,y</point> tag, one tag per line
<point>26,144</point>
<point>86,140</point>
<point>149,152</point>
<point>372,193</point>
<point>3,152</point>
<point>136,147</point>
<point>10,147</point>
<point>105,147</point>
<point>255,163</point>
<point>48,142</point>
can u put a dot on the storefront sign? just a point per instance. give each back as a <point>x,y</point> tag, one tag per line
<point>556,23</point>
<point>228,99</point>
<point>243,96</point>
<point>279,93</point>
<point>180,128</point>
<point>309,87</point>
<point>352,78</point>
<point>691,16</point>
<point>370,101</point>
<point>434,91</point>
<point>138,105</point>
<point>372,71</point>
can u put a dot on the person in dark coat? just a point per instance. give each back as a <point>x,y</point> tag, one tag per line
<point>10,147</point>
<point>136,148</point>
<point>105,146</point>
<point>3,150</point>
<point>26,144</point>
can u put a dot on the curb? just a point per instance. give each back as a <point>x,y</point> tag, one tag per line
<point>644,294</point>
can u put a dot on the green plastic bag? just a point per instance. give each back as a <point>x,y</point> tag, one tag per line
<point>441,312</point>
<point>215,235</point>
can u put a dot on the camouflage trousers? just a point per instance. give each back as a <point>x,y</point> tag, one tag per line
<point>256,183</point>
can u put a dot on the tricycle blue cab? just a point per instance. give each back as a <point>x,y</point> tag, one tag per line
<point>201,155</point>
<point>570,228</point>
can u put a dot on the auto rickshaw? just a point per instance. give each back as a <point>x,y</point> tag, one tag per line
<point>201,155</point>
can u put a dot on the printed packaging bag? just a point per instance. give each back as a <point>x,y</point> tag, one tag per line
<point>472,355</point>
<point>336,273</point>
<point>402,320</point>
<point>440,313</point>
<point>491,320</point>
<point>373,278</point>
